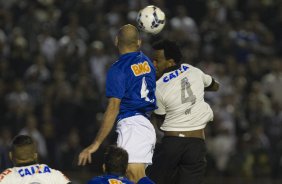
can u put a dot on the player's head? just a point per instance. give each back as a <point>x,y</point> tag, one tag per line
<point>115,160</point>
<point>166,54</point>
<point>23,150</point>
<point>128,38</point>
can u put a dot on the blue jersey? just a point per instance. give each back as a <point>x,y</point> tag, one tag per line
<point>110,179</point>
<point>133,80</point>
<point>145,180</point>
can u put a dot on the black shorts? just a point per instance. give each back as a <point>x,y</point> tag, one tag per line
<point>179,160</point>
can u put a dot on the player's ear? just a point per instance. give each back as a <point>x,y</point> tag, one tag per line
<point>126,171</point>
<point>11,155</point>
<point>171,62</point>
<point>35,156</point>
<point>116,41</point>
<point>155,63</point>
<point>139,42</point>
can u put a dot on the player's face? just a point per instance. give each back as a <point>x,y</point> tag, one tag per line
<point>160,62</point>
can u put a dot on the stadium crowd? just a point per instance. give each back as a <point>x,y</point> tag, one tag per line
<point>54,55</point>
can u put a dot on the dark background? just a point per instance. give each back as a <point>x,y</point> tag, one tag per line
<point>54,55</point>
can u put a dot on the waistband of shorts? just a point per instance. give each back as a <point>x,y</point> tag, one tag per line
<point>194,133</point>
<point>147,116</point>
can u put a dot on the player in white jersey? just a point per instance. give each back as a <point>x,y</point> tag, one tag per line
<point>180,100</point>
<point>27,170</point>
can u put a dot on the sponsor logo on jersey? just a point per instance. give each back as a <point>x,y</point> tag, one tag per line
<point>5,173</point>
<point>34,170</point>
<point>141,68</point>
<point>175,74</point>
<point>114,181</point>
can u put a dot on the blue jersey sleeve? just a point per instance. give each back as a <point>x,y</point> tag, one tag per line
<point>115,83</point>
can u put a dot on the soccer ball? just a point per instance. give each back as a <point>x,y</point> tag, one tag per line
<point>151,19</point>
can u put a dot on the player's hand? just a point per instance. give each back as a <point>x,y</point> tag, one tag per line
<point>85,155</point>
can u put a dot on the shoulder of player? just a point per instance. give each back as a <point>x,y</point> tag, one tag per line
<point>193,68</point>
<point>5,174</point>
<point>56,171</point>
<point>159,81</point>
<point>51,169</point>
<point>59,174</point>
<point>187,66</point>
<point>7,171</point>
<point>115,64</point>
<point>146,58</point>
<point>116,68</point>
<point>168,76</point>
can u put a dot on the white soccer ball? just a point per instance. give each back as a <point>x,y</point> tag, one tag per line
<point>151,19</point>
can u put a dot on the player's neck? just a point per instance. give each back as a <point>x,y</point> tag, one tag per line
<point>115,173</point>
<point>171,68</point>
<point>21,164</point>
<point>127,50</point>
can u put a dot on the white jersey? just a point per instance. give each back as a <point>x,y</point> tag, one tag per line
<point>180,95</point>
<point>33,174</point>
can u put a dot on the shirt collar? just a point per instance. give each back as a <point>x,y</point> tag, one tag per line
<point>129,54</point>
<point>25,164</point>
<point>117,175</point>
<point>170,69</point>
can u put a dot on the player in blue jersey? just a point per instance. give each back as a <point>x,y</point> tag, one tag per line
<point>115,165</point>
<point>130,87</point>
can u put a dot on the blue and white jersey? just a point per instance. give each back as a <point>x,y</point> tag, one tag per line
<point>110,179</point>
<point>33,174</point>
<point>133,80</point>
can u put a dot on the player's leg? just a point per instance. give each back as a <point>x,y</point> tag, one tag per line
<point>137,136</point>
<point>193,163</point>
<point>165,163</point>
<point>135,171</point>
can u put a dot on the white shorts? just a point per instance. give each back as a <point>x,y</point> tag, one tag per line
<point>137,136</point>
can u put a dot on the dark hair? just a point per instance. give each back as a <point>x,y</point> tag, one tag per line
<point>23,150</point>
<point>116,160</point>
<point>22,140</point>
<point>171,50</point>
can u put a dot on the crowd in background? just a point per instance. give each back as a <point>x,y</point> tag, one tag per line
<point>54,55</point>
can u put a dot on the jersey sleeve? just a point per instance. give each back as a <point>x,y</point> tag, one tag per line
<point>207,79</point>
<point>6,177</point>
<point>160,104</point>
<point>115,83</point>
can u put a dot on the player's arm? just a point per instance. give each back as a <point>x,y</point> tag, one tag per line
<point>214,86</point>
<point>108,120</point>
<point>115,90</point>
<point>209,82</point>
<point>107,125</point>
